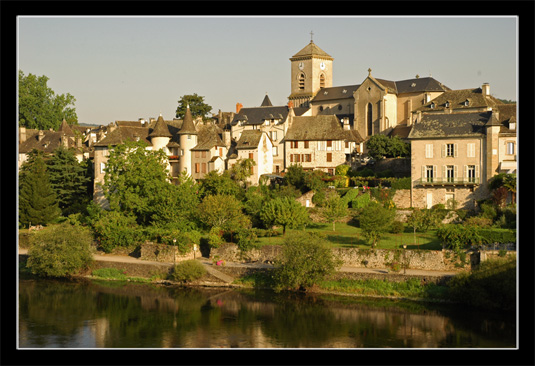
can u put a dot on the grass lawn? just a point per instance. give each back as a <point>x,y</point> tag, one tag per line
<point>349,236</point>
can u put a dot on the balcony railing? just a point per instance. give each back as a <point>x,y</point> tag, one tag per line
<point>447,181</point>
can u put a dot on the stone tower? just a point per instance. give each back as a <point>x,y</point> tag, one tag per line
<point>188,140</point>
<point>311,70</point>
<point>160,135</point>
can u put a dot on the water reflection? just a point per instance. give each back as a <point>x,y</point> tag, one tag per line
<point>89,314</point>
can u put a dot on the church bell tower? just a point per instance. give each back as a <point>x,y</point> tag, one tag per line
<point>311,70</point>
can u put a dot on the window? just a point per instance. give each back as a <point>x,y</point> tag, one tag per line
<point>307,158</point>
<point>510,148</point>
<point>329,157</point>
<point>347,145</point>
<point>294,144</point>
<point>471,173</point>
<point>429,173</point>
<point>273,135</point>
<point>203,168</point>
<point>322,81</point>
<point>102,168</point>
<point>203,154</point>
<point>277,169</point>
<point>471,150</point>
<point>330,171</point>
<point>450,173</point>
<point>221,152</point>
<point>450,150</point>
<point>329,143</point>
<point>275,150</point>
<point>196,154</point>
<point>197,167</point>
<point>370,121</point>
<point>251,156</point>
<point>428,150</point>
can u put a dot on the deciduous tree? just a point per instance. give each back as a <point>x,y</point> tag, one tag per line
<point>197,106</point>
<point>284,211</point>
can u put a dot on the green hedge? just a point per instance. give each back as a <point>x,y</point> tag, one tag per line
<point>491,236</point>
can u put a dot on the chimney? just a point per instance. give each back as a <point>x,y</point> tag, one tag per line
<point>485,89</point>
<point>22,134</point>
<point>290,104</point>
<point>238,107</point>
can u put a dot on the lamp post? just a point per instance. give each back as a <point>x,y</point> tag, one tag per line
<point>405,258</point>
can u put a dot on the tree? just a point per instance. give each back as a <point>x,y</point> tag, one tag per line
<point>60,250</point>
<point>375,220</point>
<point>295,176</point>
<point>196,105</point>
<point>422,220</point>
<point>382,146</point>
<point>69,180</point>
<point>39,107</point>
<point>37,200</point>
<point>222,211</point>
<point>284,211</point>
<point>335,209</point>
<point>306,259</point>
<point>242,170</point>
<point>134,178</point>
<point>220,183</point>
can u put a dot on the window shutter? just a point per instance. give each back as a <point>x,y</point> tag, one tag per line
<point>477,171</point>
<point>465,176</point>
<point>455,171</point>
<point>455,150</point>
<point>434,173</point>
<point>444,172</point>
<point>423,172</point>
<point>443,150</point>
<point>291,158</point>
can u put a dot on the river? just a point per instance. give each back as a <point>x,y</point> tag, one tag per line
<point>107,314</point>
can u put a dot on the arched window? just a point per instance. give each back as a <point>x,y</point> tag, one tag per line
<point>370,119</point>
<point>322,81</point>
<point>302,81</point>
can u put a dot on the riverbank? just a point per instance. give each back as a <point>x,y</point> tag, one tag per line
<point>256,275</point>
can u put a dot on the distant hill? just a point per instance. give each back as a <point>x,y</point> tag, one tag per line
<point>88,125</point>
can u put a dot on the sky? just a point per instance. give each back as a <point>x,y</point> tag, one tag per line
<point>126,68</point>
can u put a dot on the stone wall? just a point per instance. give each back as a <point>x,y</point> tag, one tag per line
<point>163,253</point>
<point>434,260</point>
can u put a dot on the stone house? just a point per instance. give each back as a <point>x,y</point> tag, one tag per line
<point>455,151</point>
<point>210,153</point>
<point>268,118</point>
<point>255,145</point>
<point>49,140</point>
<point>319,142</point>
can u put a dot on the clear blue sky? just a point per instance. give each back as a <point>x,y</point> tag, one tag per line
<point>125,68</point>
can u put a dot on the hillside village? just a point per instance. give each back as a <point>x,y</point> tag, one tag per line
<point>459,138</point>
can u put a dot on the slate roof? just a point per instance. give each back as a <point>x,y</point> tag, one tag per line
<point>257,115</point>
<point>456,98</point>
<point>121,134</point>
<point>450,125</point>
<point>249,139</point>
<point>402,131</point>
<point>188,127</point>
<point>336,92</point>
<point>319,128</point>
<point>310,50</point>
<point>266,102</point>
<point>209,136</point>
<point>416,85</point>
<point>160,129</point>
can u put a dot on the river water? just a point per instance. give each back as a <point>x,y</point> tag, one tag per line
<point>100,314</point>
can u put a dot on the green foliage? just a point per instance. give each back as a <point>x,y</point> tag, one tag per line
<point>184,241</point>
<point>295,176</point>
<point>242,170</point>
<point>39,107</point>
<point>114,229</point>
<point>361,201</point>
<point>397,227</point>
<point>110,274</point>
<point>306,260</point>
<point>37,199</point>
<point>222,211</point>
<point>342,169</point>
<point>497,236</point>
<point>285,212</point>
<point>382,146</point>
<point>187,271</point>
<point>197,106</point>
<point>215,237</point>
<point>69,180</point>
<point>422,220</point>
<point>60,250</point>
<point>215,183</point>
<point>458,237</point>
<point>134,178</point>
<point>315,180</point>
<point>334,210</point>
<point>491,287</point>
<point>350,195</point>
<point>246,239</point>
<point>374,220</point>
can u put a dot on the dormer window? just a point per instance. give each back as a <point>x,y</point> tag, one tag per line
<point>466,103</point>
<point>413,85</point>
<point>447,104</point>
<point>344,91</point>
<point>325,92</point>
<point>432,105</point>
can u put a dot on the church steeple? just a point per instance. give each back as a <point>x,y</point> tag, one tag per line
<point>311,70</point>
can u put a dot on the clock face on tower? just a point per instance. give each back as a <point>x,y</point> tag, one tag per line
<point>322,66</point>
<point>301,66</point>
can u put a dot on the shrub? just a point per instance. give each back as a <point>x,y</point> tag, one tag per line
<point>457,237</point>
<point>187,271</point>
<point>246,239</point>
<point>306,259</point>
<point>361,201</point>
<point>397,227</point>
<point>60,251</point>
<point>478,221</point>
<point>115,229</point>
<point>488,211</point>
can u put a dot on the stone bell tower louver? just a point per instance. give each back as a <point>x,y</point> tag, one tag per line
<point>311,70</point>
